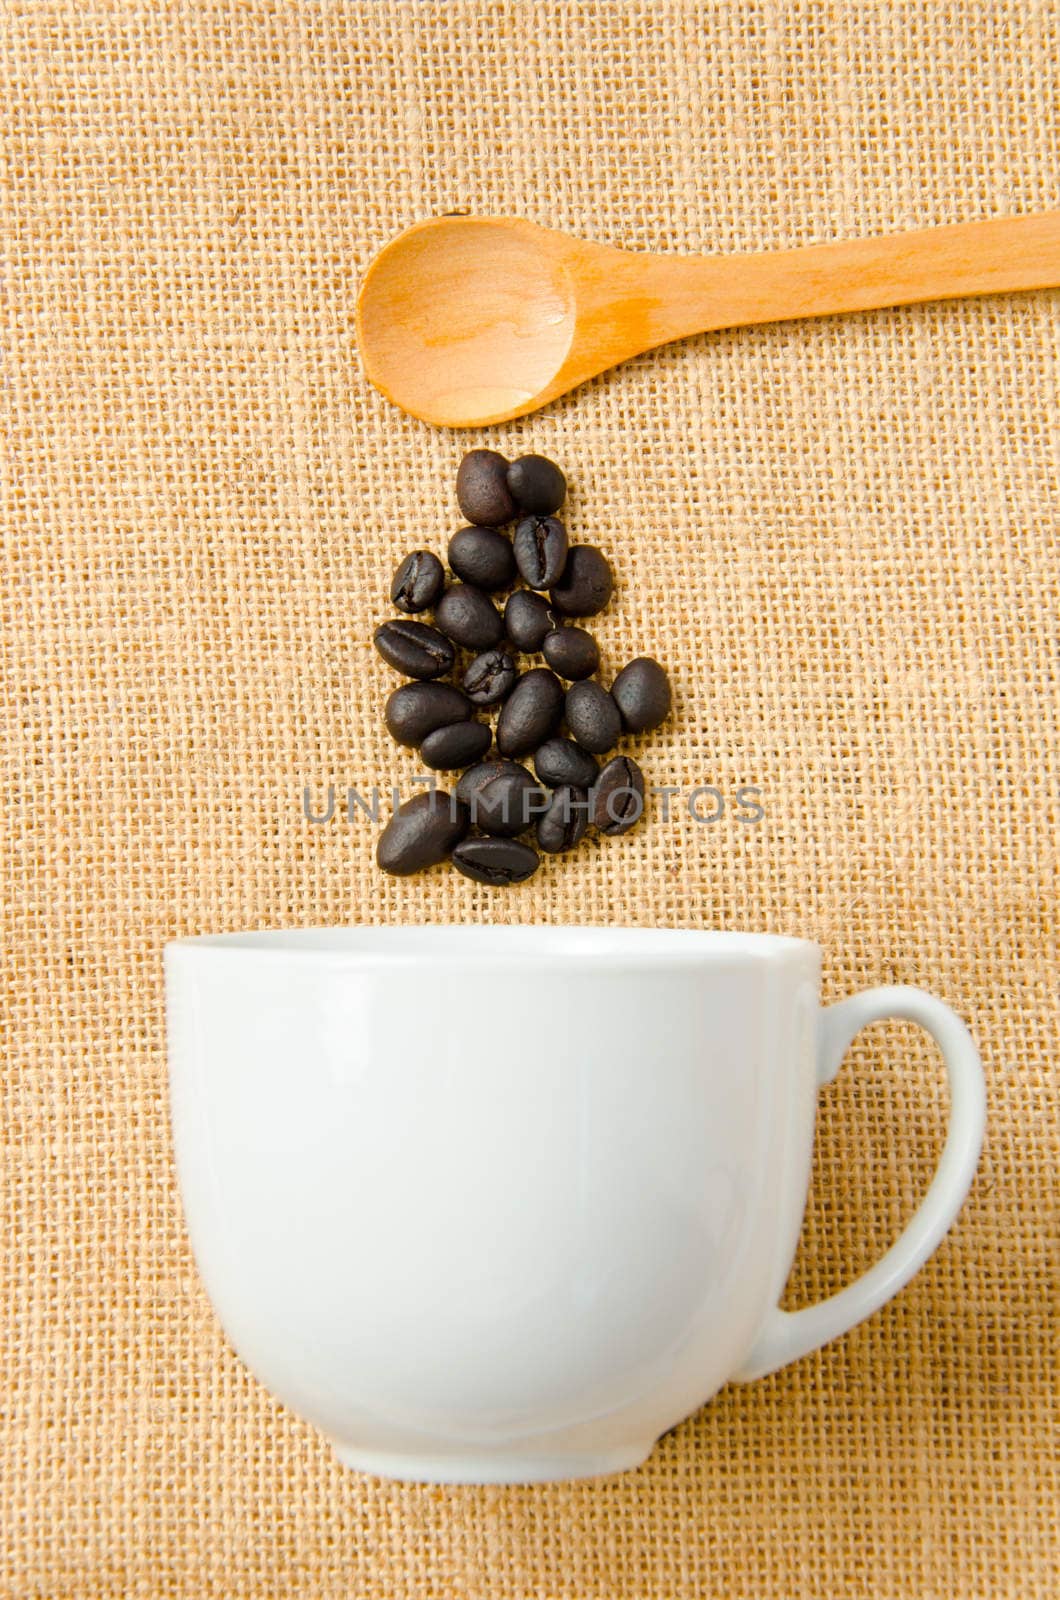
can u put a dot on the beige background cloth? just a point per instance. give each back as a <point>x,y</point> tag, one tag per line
<point>842,538</point>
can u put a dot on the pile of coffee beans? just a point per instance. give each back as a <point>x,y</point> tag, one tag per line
<point>558,718</point>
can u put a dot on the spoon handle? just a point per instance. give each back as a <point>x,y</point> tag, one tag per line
<point>693,295</point>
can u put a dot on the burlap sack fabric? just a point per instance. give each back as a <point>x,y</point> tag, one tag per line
<point>841,537</point>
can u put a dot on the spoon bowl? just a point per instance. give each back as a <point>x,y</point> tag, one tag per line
<point>467,321</point>
<point>466,317</point>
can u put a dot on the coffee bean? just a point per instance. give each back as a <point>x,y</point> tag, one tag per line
<point>421,833</point>
<point>498,862</point>
<point>561,764</point>
<point>508,801</point>
<point>586,584</point>
<point>455,746</point>
<point>618,796</point>
<point>489,677</point>
<point>540,546</point>
<point>536,485</point>
<point>531,712</point>
<point>642,693</point>
<point>567,792</point>
<point>417,709</point>
<point>482,556</point>
<point>414,649</point>
<point>469,617</point>
<point>527,619</point>
<point>565,821</point>
<point>482,491</point>
<point>571,652</point>
<point>418,582</point>
<point>473,779</point>
<point>592,716</point>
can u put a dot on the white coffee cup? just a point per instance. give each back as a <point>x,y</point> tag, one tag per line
<point>503,1204</point>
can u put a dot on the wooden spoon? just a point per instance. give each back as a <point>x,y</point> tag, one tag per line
<point>471,320</point>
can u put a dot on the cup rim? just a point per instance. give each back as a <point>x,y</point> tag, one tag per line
<point>493,944</point>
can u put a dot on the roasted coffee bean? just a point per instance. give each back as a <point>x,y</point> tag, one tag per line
<point>414,649</point>
<point>498,862</point>
<point>482,556</point>
<point>417,582</point>
<point>540,546</point>
<point>482,491</point>
<point>586,584</point>
<point>618,796</point>
<point>527,619</point>
<point>571,652</point>
<point>489,677</point>
<point>565,821</point>
<point>531,713</point>
<point>416,709</point>
<point>469,617</point>
<point>563,764</point>
<point>593,717</point>
<point>508,801</point>
<point>642,693</point>
<point>421,833</point>
<point>475,777</point>
<point>536,485</point>
<point>454,747</point>
<point>567,792</point>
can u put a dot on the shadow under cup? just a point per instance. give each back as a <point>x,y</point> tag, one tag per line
<point>493,1204</point>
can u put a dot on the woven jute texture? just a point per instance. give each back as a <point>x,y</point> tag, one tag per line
<point>840,536</point>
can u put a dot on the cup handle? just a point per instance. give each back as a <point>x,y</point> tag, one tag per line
<point>787,1335</point>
